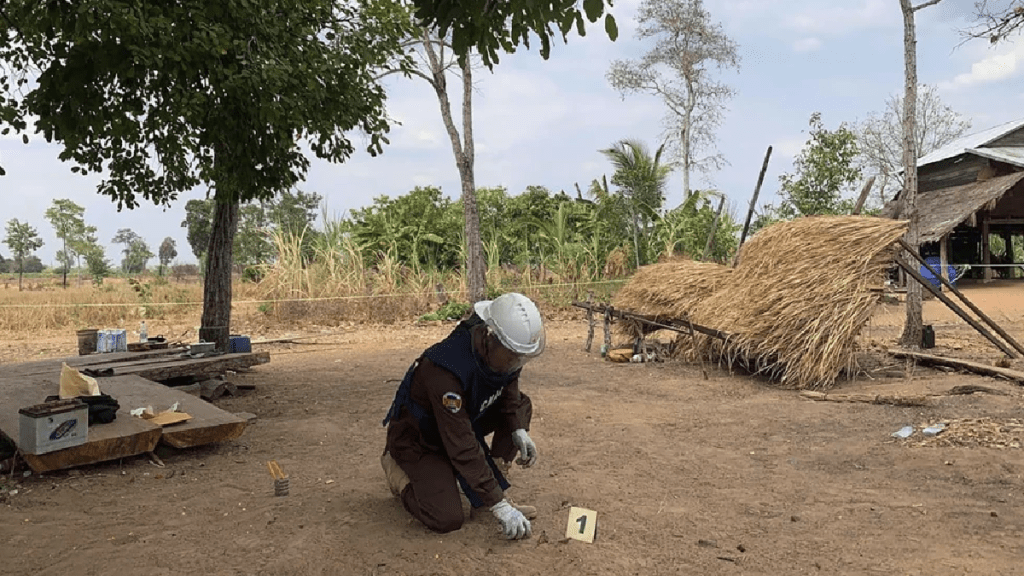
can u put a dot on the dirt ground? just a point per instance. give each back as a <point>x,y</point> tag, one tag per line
<point>688,475</point>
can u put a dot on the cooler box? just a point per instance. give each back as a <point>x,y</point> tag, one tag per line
<point>53,426</point>
<point>239,344</point>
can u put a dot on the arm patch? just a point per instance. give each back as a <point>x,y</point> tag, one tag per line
<point>452,401</point>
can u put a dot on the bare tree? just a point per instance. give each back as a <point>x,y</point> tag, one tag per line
<point>997,21</point>
<point>880,135</point>
<point>914,324</point>
<point>688,48</point>
<point>436,61</point>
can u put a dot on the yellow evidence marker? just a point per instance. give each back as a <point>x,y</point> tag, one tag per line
<point>582,525</point>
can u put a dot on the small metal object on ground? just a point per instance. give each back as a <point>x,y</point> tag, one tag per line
<point>281,487</point>
<point>281,483</point>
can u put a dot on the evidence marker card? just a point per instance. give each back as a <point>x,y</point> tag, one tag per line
<point>582,525</point>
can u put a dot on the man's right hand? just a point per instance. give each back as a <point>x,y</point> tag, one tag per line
<point>513,523</point>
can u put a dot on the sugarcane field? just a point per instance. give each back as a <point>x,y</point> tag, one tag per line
<point>707,418</point>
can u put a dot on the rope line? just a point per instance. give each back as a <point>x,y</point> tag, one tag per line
<point>274,301</point>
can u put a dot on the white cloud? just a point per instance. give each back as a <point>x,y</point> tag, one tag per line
<point>828,18</point>
<point>1003,64</point>
<point>808,44</point>
<point>789,147</point>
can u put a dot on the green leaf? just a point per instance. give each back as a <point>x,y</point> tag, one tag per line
<point>581,26</point>
<point>593,8</point>
<point>610,27</point>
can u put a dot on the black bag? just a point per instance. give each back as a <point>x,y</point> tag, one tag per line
<point>102,408</point>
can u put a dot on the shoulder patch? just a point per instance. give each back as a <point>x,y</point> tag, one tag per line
<point>452,401</point>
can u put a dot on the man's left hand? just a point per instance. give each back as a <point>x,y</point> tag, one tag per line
<point>527,449</point>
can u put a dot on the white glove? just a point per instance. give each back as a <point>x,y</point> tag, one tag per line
<point>513,523</point>
<point>527,449</point>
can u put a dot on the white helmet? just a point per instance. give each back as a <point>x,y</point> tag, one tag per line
<point>516,322</point>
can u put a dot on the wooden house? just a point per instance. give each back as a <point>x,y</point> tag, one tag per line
<point>968,191</point>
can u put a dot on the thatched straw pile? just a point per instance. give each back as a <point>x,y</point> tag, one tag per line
<point>795,303</point>
<point>668,290</point>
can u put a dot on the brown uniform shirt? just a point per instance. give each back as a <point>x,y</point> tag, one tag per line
<point>458,439</point>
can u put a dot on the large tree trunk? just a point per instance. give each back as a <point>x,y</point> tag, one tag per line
<point>216,320</point>
<point>913,325</point>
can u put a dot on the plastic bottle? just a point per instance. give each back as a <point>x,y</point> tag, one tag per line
<point>143,337</point>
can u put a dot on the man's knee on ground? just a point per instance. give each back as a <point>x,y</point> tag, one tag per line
<point>446,524</point>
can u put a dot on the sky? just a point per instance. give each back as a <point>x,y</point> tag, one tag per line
<point>542,122</point>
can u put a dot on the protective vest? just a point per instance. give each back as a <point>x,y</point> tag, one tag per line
<point>481,387</point>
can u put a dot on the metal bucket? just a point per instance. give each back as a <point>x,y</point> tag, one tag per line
<point>87,341</point>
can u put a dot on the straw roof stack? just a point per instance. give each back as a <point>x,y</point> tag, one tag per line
<point>793,306</point>
<point>668,290</point>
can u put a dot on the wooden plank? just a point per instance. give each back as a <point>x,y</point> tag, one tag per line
<point>194,366</point>
<point>125,436</point>
<point>962,364</point>
<point>208,423</point>
<point>80,362</point>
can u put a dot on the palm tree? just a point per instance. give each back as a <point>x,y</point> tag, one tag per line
<point>641,180</point>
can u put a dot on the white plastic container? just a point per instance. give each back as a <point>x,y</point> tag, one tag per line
<point>120,340</point>
<point>53,426</point>
<point>103,342</point>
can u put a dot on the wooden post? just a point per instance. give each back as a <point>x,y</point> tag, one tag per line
<point>590,320</point>
<point>986,249</point>
<point>753,204</point>
<point>944,257</point>
<point>607,329</point>
<point>714,228</point>
<point>1008,242</point>
<point>863,196</point>
<point>967,302</point>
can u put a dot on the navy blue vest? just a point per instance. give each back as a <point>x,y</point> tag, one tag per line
<point>481,387</point>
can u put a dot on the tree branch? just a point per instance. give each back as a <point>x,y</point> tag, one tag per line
<point>925,5</point>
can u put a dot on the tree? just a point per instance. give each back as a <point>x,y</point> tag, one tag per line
<point>257,222</point>
<point>33,265</point>
<point>880,138</point>
<point>823,170</point>
<point>220,94</point>
<point>128,238</point>
<point>137,256</point>
<point>23,240</point>
<point>641,180</point>
<point>98,265</point>
<point>913,326</point>
<point>293,213</point>
<point>688,48</point>
<point>997,20</point>
<point>67,219</point>
<point>168,252</point>
<point>492,25</point>
<point>199,225</point>
<point>437,60</point>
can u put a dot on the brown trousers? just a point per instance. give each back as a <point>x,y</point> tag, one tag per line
<point>433,495</point>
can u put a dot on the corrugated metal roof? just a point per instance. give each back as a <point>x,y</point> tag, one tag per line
<point>1010,155</point>
<point>966,143</point>
<point>941,210</point>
